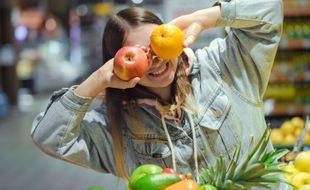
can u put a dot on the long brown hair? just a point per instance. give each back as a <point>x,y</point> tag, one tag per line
<point>113,38</point>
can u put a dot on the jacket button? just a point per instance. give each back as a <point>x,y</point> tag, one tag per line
<point>216,113</point>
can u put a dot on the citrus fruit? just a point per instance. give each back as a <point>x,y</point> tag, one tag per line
<point>167,41</point>
<point>187,184</point>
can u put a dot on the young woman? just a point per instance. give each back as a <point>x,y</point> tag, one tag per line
<point>185,112</point>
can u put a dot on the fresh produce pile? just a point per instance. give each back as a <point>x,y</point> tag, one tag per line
<point>299,171</point>
<point>289,131</point>
<point>153,177</point>
<point>259,168</point>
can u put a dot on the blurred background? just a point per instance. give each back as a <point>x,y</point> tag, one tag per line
<point>49,44</point>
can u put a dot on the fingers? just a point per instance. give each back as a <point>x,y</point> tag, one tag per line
<point>182,22</point>
<point>133,82</point>
<point>107,75</point>
<point>121,84</point>
<point>191,29</point>
<point>191,58</point>
<point>189,41</point>
<point>192,34</point>
<point>190,55</point>
<point>145,49</point>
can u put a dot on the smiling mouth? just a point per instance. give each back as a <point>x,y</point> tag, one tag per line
<point>160,71</point>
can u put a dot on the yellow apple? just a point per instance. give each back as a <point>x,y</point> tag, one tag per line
<point>289,139</point>
<point>297,122</point>
<point>291,171</point>
<point>287,128</point>
<point>276,136</point>
<point>305,187</point>
<point>302,161</point>
<point>307,138</point>
<point>300,179</point>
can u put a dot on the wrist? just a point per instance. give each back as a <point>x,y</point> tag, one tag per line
<point>92,86</point>
<point>208,17</point>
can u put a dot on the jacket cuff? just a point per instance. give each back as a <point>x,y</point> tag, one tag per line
<point>228,13</point>
<point>74,102</point>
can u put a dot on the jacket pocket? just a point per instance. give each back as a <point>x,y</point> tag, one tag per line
<point>220,127</point>
<point>150,149</point>
<point>216,112</point>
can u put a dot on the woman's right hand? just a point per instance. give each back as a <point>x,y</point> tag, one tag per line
<point>101,79</point>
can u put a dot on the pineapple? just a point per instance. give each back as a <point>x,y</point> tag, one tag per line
<point>258,169</point>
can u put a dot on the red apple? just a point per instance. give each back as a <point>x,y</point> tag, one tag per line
<point>130,62</point>
<point>172,171</point>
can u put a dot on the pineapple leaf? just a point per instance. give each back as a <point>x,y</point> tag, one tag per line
<point>261,151</point>
<point>231,172</point>
<point>258,168</point>
<point>253,170</point>
<point>263,172</point>
<point>233,164</point>
<point>231,185</point>
<point>204,176</point>
<point>271,171</point>
<point>274,155</point>
<point>266,179</point>
<point>219,166</point>
<point>260,146</point>
<point>248,185</point>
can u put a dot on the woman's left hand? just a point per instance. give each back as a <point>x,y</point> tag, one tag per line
<point>193,24</point>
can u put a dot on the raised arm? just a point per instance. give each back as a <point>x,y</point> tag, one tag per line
<point>245,56</point>
<point>67,130</point>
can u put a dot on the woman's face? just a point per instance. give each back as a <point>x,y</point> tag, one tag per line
<point>161,72</point>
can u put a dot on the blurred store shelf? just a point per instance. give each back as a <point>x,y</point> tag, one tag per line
<point>293,8</point>
<point>289,109</point>
<point>288,92</point>
<point>296,44</point>
<point>297,11</point>
<point>290,146</point>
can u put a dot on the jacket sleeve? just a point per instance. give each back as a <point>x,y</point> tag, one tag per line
<point>68,131</point>
<point>246,55</point>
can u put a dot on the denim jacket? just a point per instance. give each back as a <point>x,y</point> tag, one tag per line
<point>228,78</point>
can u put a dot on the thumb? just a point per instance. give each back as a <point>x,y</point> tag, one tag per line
<point>192,34</point>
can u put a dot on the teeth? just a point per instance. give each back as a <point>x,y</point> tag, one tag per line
<point>160,71</point>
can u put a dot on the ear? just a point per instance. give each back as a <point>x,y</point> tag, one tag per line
<point>190,58</point>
